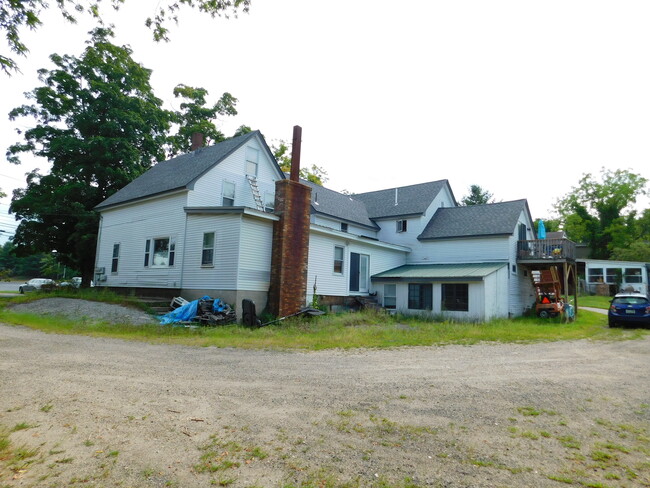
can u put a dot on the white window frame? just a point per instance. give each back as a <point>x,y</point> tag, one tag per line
<point>204,262</point>
<point>401,225</point>
<point>150,252</point>
<point>229,196</point>
<point>269,202</point>
<point>252,161</point>
<point>340,261</point>
<point>115,260</point>
<point>390,296</point>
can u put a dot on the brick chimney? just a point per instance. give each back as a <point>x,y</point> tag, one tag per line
<point>197,141</point>
<point>288,288</point>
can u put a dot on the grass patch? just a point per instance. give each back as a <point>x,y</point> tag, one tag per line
<point>594,301</point>
<point>345,331</point>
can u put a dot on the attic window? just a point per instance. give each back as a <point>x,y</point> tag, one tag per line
<point>401,226</point>
<point>252,156</point>
<point>344,227</point>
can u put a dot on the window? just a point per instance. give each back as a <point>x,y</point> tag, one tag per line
<point>338,259</point>
<point>251,161</point>
<point>596,275</point>
<point>116,258</point>
<point>614,275</point>
<point>269,202</point>
<point>344,227</point>
<point>455,297</point>
<point>401,226</point>
<point>420,296</point>
<point>390,296</point>
<point>159,252</point>
<point>207,254</point>
<point>633,275</point>
<point>228,194</point>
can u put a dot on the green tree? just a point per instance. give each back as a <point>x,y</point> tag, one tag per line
<point>314,173</point>
<point>600,213</point>
<point>477,196</point>
<point>195,116</point>
<point>100,125</point>
<point>18,14</point>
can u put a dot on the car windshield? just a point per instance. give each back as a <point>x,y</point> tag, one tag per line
<point>630,301</point>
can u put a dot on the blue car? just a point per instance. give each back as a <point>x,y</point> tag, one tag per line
<point>629,309</point>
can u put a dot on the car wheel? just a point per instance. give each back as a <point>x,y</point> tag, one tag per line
<point>21,290</point>
<point>612,323</point>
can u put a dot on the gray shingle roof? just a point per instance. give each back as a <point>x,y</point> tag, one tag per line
<point>475,220</point>
<point>179,172</point>
<point>337,205</point>
<point>411,200</point>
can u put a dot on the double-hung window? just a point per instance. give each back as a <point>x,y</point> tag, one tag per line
<point>116,258</point>
<point>252,156</point>
<point>390,296</point>
<point>269,202</point>
<point>228,194</point>
<point>159,252</point>
<point>207,253</point>
<point>338,259</point>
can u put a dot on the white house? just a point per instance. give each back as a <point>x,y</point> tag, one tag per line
<point>207,222</point>
<point>605,276</point>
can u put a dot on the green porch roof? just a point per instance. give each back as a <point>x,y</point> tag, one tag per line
<point>439,272</point>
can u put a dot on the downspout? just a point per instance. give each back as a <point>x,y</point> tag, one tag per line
<point>99,238</point>
<point>183,257</point>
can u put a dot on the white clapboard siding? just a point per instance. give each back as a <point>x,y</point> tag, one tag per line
<point>321,262</point>
<point>222,274</point>
<point>207,190</point>
<point>472,250</point>
<point>521,292</point>
<point>131,226</point>
<point>254,272</point>
<point>321,266</point>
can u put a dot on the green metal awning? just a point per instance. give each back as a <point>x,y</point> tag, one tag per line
<point>439,272</point>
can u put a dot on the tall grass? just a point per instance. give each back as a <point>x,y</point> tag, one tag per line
<point>343,331</point>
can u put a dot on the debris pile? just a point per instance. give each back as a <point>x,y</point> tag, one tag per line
<point>204,311</point>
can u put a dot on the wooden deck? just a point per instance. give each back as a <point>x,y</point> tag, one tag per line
<point>546,250</point>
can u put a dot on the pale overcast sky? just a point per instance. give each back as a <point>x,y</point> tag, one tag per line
<point>519,97</point>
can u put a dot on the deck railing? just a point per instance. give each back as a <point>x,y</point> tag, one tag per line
<point>546,249</point>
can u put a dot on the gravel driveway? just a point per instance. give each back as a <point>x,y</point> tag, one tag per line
<point>102,412</point>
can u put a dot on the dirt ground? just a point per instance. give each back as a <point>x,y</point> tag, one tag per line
<point>104,413</point>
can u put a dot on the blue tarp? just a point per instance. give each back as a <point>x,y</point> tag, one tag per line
<point>188,311</point>
<point>541,230</point>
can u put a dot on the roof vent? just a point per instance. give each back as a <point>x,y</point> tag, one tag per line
<point>396,196</point>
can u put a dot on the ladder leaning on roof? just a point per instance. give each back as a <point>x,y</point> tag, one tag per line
<point>252,181</point>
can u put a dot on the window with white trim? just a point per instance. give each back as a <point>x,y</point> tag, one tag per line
<point>252,158</point>
<point>338,259</point>
<point>269,202</point>
<point>633,275</point>
<point>228,194</point>
<point>344,227</point>
<point>207,253</point>
<point>401,225</point>
<point>159,252</point>
<point>116,258</point>
<point>390,296</point>
<point>595,275</point>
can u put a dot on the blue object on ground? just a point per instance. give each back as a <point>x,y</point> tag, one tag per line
<point>182,314</point>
